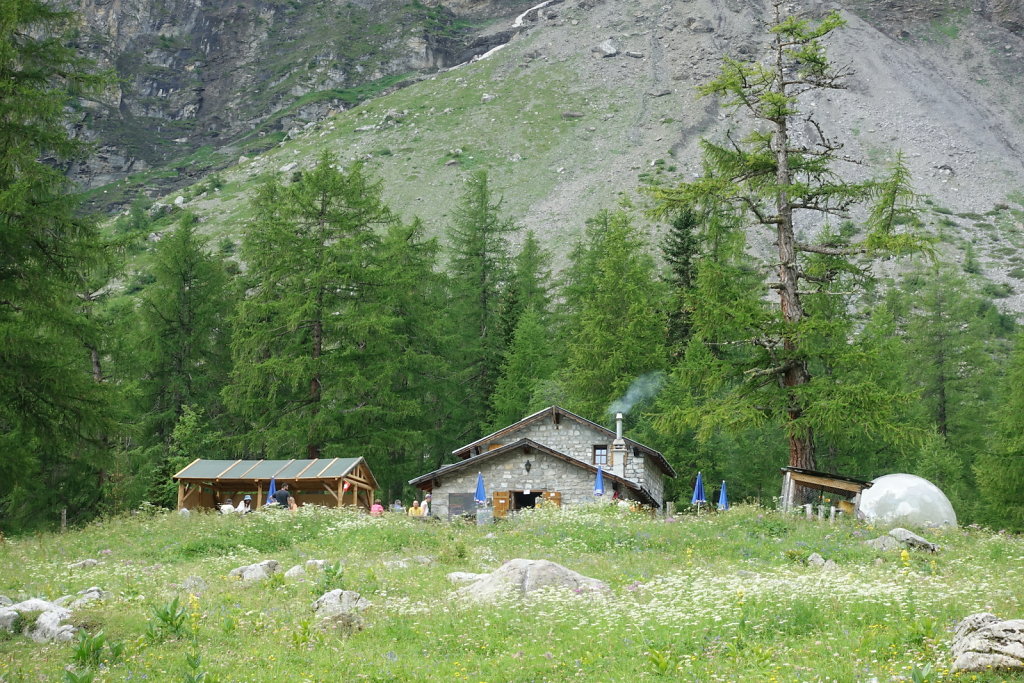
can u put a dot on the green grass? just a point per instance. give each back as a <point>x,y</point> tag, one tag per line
<point>719,597</point>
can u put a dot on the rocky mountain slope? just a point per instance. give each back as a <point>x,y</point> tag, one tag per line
<point>590,99</point>
<point>211,74</point>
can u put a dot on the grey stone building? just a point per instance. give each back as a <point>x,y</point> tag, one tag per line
<point>552,455</point>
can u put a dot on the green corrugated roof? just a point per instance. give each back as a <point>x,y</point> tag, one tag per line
<point>257,470</point>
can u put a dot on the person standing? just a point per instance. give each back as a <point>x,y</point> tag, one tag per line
<point>425,506</point>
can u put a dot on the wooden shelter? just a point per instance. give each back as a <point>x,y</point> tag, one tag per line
<point>330,482</point>
<point>846,487</point>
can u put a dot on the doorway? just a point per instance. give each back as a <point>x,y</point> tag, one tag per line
<point>522,500</point>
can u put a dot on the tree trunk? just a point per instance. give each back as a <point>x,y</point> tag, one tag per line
<point>313,447</point>
<point>801,441</point>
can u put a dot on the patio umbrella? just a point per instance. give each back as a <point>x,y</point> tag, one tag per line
<point>481,493</point>
<point>599,483</point>
<point>723,498</point>
<point>271,491</point>
<point>698,492</point>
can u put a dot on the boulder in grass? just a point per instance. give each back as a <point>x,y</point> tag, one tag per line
<point>983,641</point>
<point>912,540</point>
<point>524,576</point>
<point>883,543</point>
<point>93,594</point>
<point>296,572</point>
<point>341,610</point>
<point>5,601</point>
<point>82,564</point>
<point>315,565</point>
<point>47,617</point>
<point>194,584</point>
<point>256,572</point>
<point>465,577</point>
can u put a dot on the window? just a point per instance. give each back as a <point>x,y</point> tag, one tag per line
<point>601,454</point>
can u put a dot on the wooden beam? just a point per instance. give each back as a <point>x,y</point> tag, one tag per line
<point>259,495</point>
<point>831,484</point>
<point>227,468</point>
<point>254,464</point>
<point>186,467</point>
<point>282,467</point>
<point>341,493</point>
<point>181,493</point>
<point>305,468</point>
<point>327,466</point>
<point>330,490</point>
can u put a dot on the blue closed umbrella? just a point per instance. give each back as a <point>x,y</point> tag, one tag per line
<point>723,498</point>
<point>271,491</point>
<point>698,491</point>
<point>481,493</point>
<point>599,483</point>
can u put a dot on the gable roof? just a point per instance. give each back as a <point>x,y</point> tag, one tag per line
<point>556,412</point>
<point>265,470</point>
<point>425,482</point>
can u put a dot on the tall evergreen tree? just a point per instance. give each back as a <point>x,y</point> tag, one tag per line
<point>1000,470</point>
<point>52,412</point>
<point>681,249</point>
<point>302,335</point>
<point>182,344</point>
<point>529,361</point>
<point>771,178</point>
<point>529,285</point>
<point>479,271</point>
<point>615,325</point>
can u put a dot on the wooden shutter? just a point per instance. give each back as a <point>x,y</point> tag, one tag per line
<point>501,503</point>
<point>554,497</point>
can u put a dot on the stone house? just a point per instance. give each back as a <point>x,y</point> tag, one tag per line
<point>552,455</point>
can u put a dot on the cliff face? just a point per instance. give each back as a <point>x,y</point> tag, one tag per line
<point>198,73</point>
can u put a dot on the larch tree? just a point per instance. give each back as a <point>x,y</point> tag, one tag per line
<point>479,269</point>
<point>308,323</point>
<point>53,415</point>
<point>614,319</point>
<point>773,179</point>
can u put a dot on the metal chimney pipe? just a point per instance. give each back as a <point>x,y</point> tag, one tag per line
<point>618,425</point>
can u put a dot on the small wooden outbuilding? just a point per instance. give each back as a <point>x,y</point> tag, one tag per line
<point>846,487</point>
<point>330,482</point>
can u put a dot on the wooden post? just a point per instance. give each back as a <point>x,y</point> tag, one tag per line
<point>341,492</point>
<point>787,488</point>
<point>181,494</point>
<point>809,511</point>
<point>831,513</point>
<point>259,495</point>
<point>64,519</point>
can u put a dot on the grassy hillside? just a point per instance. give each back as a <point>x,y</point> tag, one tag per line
<point>720,597</point>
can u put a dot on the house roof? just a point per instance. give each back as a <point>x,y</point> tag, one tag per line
<point>425,482</point>
<point>553,411</point>
<point>265,470</point>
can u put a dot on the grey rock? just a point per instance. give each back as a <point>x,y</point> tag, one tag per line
<point>49,628</point>
<point>487,97</point>
<point>983,641</point>
<point>290,166</point>
<point>93,594</point>
<point>634,55</point>
<point>525,576</point>
<point>816,560</point>
<point>184,512</point>
<point>883,543</point>
<point>465,577</point>
<point>194,584</point>
<point>397,564</point>
<point>912,540</point>
<point>5,601</point>
<point>296,572</point>
<point>81,564</point>
<point>340,610</point>
<point>421,559</point>
<point>7,617</point>
<point>607,48</point>
<point>315,565</point>
<point>256,572</point>
<point>179,200</point>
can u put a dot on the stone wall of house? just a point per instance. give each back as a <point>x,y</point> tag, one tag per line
<point>578,441</point>
<point>507,473</point>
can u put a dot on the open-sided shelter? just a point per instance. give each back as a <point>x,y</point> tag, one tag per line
<point>331,482</point>
<point>846,487</point>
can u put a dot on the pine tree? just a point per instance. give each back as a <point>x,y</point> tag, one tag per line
<point>615,324</point>
<point>1000,470</point>
<point>52,412</point>
<point>181,348</point>
<point>479,272</point>
<point>529,285</point>
<point>771,178</point>
<point>529,361</point>
<point>306,337</point>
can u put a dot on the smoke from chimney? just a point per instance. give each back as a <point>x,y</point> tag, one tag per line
<point>642,388</point>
